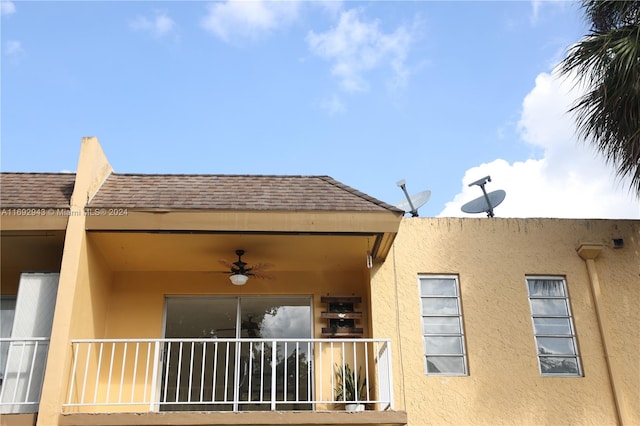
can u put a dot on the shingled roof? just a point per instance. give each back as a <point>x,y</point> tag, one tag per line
<point>30,190</point>
<point>233,192</point>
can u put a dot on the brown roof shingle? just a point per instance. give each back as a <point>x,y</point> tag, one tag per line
<point>233,192</point>
<point>32,190</point>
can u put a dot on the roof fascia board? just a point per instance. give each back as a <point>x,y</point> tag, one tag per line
<point>247,221</point>
<point>48,222</point>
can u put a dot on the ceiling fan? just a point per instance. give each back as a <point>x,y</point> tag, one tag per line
<point>240,271</point>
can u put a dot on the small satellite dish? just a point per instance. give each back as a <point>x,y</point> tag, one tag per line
<point>480,204</point>
<point>418,200</point>
<point>487,202</point>
<point>412,204</point>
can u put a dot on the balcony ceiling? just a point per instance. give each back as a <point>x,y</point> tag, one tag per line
<point>28,251</point>
<point>141,251</point>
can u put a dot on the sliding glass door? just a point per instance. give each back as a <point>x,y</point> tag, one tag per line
<point>229,353</point>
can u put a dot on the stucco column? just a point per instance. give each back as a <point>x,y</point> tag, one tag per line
<point>93,170</point>
<point>589,252</point>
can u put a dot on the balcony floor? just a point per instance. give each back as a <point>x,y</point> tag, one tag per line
<point>237,418</point>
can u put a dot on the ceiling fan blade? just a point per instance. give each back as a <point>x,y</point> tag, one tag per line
<point>259,266</point>
<point>233,267</point>
<point>262,276</point>
<point>241,267</point>
<point>226,263</point>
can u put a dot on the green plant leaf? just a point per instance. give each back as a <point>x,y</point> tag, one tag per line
<point>349,385</point>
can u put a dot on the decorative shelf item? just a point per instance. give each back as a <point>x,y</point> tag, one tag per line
<point>341,316</point>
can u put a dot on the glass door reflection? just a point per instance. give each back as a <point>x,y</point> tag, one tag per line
<point>243,374</point>
<point>280,370</point>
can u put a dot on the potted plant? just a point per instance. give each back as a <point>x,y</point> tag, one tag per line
<point>350,387</point>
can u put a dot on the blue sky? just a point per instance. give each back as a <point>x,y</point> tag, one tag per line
<point>438,93</point>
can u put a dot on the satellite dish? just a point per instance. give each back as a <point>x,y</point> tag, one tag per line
<point>418,200</point>
<point>480,204</point>
<point>412,204</point>
<point>487,202</point>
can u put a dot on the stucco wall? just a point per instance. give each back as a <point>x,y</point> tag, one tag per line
<point>92,294</point>
<point>491,257</point>
<point>136,302</point>
<point>88,308</point>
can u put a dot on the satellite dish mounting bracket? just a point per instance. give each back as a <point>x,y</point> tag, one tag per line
<point>413,211</point>
<point>481,183</point>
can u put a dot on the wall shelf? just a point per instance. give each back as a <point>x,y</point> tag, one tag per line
<point>341,316</point>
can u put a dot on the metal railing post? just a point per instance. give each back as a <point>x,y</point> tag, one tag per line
<point>154,375</point>
<point>273,374</point>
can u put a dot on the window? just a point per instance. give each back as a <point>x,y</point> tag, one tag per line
<point>553,327</point>
<point>443,337</point>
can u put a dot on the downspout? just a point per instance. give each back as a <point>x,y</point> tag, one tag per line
<point>589,252</point>
<point>398,328</point>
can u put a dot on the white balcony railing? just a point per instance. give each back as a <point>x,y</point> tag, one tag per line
<point>140,375</point>
<point>23,361</point>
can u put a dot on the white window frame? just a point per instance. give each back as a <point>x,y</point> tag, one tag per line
<point>568,317</point>
<point>426,335</point>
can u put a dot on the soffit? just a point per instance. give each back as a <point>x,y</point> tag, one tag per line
<point>31,250</point>
<point>143,251</point>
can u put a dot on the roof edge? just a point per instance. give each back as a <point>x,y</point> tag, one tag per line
<point>360,194</point>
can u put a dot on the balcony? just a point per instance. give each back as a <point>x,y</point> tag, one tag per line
<point>23,361</point>
<point>150,375</point>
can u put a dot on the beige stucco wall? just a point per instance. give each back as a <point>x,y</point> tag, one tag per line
<point>491,257</point>
<point>136,301</point>
<point>84,280</point>
<point>18,419</point>
<point>89,308</point>
<point>80,313</point>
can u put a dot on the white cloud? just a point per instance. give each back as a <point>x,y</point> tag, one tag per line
<point>332,7</point>
<point>158,26</point>
<point>537,6</point>
<point>239,20</point>
<point>569,181</point>
<point>357,46</point>
<point>334,105</point>
<point>290,321</point>
<point>13,48</point>
<point>7,8</point>
<point>535,10</point>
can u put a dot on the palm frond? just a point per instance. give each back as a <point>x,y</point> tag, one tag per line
<point>607,62</point>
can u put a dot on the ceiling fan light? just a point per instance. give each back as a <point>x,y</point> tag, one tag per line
<point>238,279</point>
